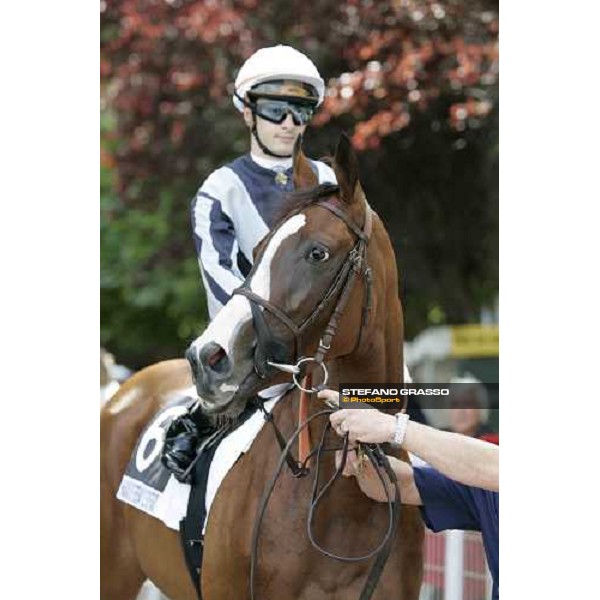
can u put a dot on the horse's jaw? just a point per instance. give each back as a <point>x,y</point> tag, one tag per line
<point>232,399</point>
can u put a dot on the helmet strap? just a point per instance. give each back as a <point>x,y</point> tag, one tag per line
<point>260,143</point>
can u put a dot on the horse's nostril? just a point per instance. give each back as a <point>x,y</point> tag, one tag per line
<point>214,358</point>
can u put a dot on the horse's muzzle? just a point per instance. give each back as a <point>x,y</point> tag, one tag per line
<point>211,368</point>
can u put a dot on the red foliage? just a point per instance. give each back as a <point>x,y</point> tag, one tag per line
<point>410,52</point>
<point>165,62</point>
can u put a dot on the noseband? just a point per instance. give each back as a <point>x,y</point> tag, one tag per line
<point>272,354</point>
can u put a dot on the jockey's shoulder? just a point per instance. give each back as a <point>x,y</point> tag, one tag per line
<point>230,168</point>
<point>227,174</point>
<point>223,175</point>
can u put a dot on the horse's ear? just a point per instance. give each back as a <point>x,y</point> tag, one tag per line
<point>304,176</point>
<point>345,166</point>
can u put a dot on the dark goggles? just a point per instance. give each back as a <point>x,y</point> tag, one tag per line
<point>276,108</point>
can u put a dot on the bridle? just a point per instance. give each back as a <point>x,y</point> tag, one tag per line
<point>271,354</point>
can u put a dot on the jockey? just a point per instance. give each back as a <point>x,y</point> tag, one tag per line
<point>278,90</point>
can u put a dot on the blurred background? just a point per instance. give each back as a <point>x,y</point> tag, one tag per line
<point>415,85</point>
<point>413,82</point>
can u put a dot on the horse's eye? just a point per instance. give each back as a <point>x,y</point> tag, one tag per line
<point>318,254</point>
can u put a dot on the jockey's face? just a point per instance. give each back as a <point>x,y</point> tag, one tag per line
<point>277,137</point>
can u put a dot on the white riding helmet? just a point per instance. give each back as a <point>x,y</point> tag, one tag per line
<point>277,62</point>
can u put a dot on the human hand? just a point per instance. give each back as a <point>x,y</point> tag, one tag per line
<point>352,466</point>
<point>360,466</point>
<point>369,426</point>
<point>331,397</point>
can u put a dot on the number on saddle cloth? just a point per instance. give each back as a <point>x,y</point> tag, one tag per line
<point>182,439</point>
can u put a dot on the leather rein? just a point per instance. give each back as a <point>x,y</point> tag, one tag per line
<point>272,355</point>
<point>381,465</point>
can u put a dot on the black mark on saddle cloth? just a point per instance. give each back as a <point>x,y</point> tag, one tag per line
<point>145,465</point>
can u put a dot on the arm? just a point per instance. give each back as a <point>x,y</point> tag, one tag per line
<point>215,240</point>
<point>464,459</point>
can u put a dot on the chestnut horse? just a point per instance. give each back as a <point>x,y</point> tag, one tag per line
<point>294,281</point>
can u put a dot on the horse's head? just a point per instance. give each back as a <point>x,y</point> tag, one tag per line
<point>301,272</point>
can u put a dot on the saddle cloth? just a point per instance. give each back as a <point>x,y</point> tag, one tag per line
<point>148,486</point>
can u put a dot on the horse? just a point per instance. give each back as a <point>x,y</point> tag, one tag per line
<point>253,342</point>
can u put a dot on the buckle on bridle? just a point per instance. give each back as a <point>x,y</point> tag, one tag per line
<point>356,259</point>
<point>325,375</point>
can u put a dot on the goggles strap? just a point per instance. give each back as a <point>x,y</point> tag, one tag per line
<point>252,107</point>
<point>259,141</point>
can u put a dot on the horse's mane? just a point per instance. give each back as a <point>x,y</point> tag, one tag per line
<point>298,200</point>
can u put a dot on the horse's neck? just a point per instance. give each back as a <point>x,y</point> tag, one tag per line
<point>379,359</point>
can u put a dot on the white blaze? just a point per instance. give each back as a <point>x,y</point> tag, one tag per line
<point>261,280</point>
<point>224,327</point>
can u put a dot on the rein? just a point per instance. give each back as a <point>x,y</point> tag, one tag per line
<point>381,465</point>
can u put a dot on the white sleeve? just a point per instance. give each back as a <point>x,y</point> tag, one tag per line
<point>215,239</point>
